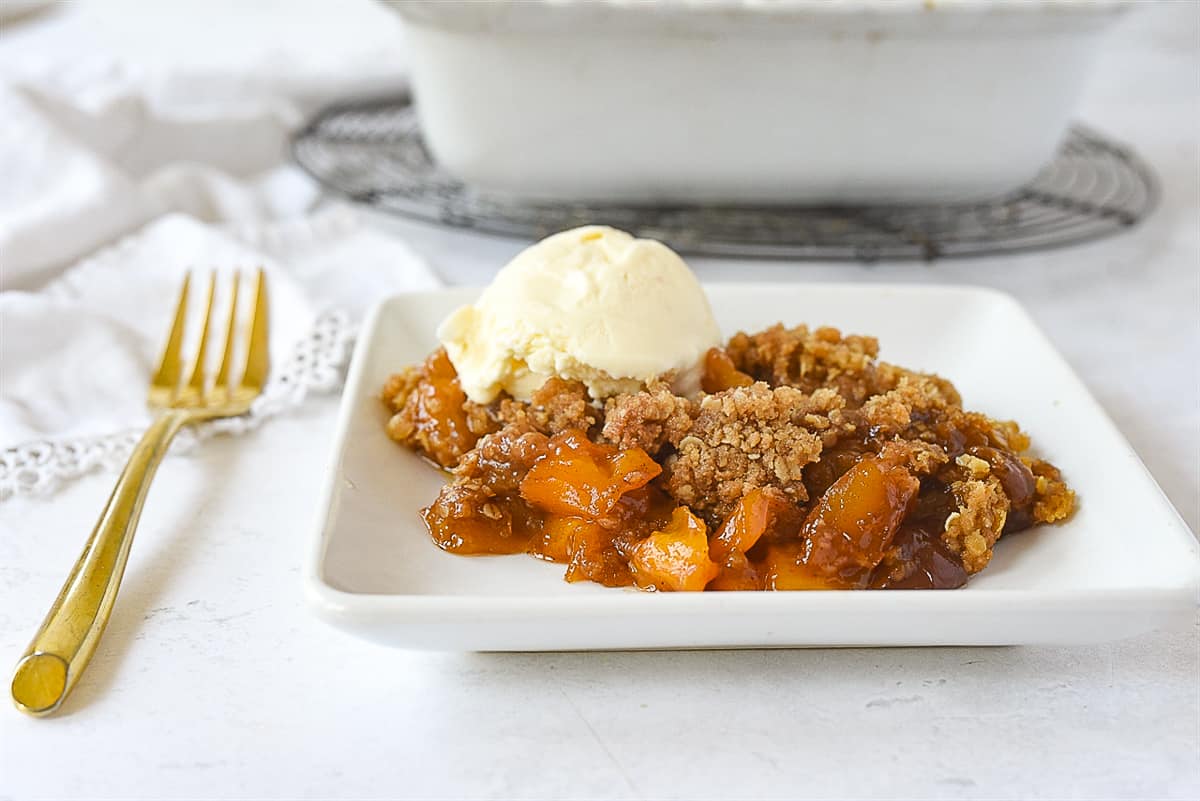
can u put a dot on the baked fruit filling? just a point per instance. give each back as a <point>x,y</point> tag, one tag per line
<point>805,463</point>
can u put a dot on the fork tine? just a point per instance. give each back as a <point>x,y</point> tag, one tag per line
<point>196,382</point>
<point>258,357</point>
<point>222,382</point>
<point>170,366</point>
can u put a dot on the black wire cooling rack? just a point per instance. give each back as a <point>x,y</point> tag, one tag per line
<point>372,152</point>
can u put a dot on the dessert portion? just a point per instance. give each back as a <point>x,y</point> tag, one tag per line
<point>801,461</point>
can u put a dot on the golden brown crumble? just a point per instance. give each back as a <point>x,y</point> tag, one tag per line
<point>647,420</point>
<point>745,438</point>
<point>974,527</point>
<point>1055,501</point>
<point>800,358</point>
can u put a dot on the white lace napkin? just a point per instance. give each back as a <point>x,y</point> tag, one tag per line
<point>76,356</point>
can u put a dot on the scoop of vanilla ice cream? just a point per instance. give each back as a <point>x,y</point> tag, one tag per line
<point>591,304</point>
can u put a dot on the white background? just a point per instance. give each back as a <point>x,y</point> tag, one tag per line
<point>214,681</point>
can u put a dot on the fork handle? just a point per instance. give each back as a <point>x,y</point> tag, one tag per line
<point>63,646</point>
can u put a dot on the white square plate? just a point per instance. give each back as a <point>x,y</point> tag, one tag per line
<point>1122,564</point>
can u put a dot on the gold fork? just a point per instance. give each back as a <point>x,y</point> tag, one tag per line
<point>63,646</point>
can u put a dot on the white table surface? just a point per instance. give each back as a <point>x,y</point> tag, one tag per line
<point>213,679</point>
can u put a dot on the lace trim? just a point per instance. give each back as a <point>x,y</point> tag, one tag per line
<point>316,366</point>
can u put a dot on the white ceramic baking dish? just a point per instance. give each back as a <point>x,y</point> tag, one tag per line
<point>813,101</point>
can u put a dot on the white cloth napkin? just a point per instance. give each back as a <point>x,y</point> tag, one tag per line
<point>69,187</point>
<point>78,354</point>
<point>118,111</point>
<point>141,140</point>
